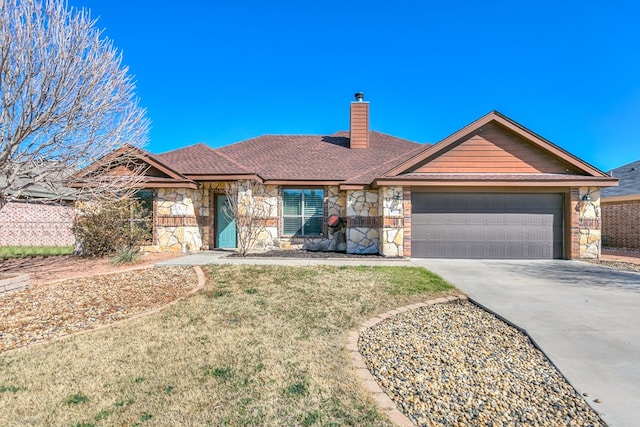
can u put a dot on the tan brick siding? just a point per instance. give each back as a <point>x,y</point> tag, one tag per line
<point>621,224</point>
<point>36,224</point>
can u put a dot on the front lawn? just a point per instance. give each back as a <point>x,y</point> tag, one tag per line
<point>259,345</point>
<point>25,251</point>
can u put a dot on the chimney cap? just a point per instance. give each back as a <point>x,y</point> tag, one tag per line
<point>359,96</point>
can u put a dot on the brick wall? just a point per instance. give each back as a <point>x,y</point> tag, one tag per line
<point>621,224</point>
<point>33,223</point>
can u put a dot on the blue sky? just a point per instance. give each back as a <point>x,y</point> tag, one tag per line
<point>219,72</point>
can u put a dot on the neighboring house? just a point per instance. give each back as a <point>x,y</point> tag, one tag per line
<point>621,209</point>
<point>493,189</point>
<point>42,215</point>
<point>32,222</point>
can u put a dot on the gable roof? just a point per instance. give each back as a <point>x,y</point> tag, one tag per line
<point>578,172</point>
<point>155,173</point>
<point>491,151</point>
<point>629,176</point>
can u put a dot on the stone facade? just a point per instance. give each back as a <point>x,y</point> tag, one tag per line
<point>175,222</point>
<point>336,202</point>
<point>259,202</point>
<point>363,222</point>
<point>184,218</point>
<point>589,223</point>
<point>373,221</point>
<point>392,202</point>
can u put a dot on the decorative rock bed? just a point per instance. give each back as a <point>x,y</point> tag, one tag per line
<point>456,365</point>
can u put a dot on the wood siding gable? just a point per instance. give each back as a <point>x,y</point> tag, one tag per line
<point>125,160</point>
<point>495,144</point>
<point>494,149</point>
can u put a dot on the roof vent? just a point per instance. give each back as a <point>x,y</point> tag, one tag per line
<point>359,96</point>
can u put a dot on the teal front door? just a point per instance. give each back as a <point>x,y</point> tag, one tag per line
<point>225,228</point>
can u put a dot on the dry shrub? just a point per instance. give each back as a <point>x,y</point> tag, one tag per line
<point>102,229</point>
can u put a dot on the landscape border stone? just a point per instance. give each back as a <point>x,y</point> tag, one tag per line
<point>14,282</point>
<point>368,382</point>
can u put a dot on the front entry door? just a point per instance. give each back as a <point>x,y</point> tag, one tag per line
<point>225,229</point>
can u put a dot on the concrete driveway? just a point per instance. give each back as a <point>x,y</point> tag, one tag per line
<point>586,319</point>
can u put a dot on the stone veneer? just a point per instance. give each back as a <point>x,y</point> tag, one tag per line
<point>176,224</point>
<point>264,200</point>
<point>363,222</point>
<point>589,223</point>
<point>184,218</point>
<point>375,221</point>
<point>392,202</point>
<point>336,201</point>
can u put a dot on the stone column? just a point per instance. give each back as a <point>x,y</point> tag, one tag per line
<point>589,223</point>
<point>176,223</point>
<point>392,236</point>
<point>363,222</point>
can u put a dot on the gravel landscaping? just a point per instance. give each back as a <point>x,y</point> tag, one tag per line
<point>457,365</point>
<point>618,265</point>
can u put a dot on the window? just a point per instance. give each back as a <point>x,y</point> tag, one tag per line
<point>302,212</point>
<point>142,214</point>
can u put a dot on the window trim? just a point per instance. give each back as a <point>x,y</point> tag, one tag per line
<point>322,215</point>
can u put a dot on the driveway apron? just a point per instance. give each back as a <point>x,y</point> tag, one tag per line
<point>586,319</point>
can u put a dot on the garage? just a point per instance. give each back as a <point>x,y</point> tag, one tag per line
<point>487,225</point>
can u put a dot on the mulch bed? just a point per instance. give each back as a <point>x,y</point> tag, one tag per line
<point>53,310</point>
<point>300,253</point>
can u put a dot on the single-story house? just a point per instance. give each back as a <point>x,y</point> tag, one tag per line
<point>493,189</point>
<point>621,209</point>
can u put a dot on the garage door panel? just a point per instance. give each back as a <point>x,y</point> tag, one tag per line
<point>487,225</point>
<point>487,249</point>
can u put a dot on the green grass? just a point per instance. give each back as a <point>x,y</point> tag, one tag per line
<point>258,346</point>
<point>411,280</point>
<point>26,251</point>
<point>76,399</point>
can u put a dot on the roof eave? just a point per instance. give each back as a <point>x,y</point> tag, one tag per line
<point>624,198</point>
<point>225,177</point>
<point>440,182</point>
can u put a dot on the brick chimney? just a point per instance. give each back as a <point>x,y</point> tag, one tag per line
<point>359,123</point>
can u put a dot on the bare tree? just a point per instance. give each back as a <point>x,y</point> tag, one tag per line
<point>66,101</point>
<point>248,207</point>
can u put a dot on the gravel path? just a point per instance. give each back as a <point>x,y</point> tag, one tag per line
<point>457,365</point>
<point>56,309</point>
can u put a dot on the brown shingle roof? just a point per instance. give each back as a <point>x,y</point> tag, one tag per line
<point>200,159</point>
<point>319,157</point>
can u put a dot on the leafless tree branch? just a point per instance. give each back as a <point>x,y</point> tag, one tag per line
<point>66,100</point>
<point>245,205</point>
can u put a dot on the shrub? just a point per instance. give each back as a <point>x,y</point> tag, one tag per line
<point>126,255</point>
<point>102,229</point>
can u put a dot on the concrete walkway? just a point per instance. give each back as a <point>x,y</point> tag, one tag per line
<point>584,317</point>
<point>221,257</point>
